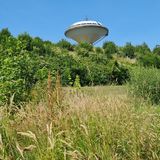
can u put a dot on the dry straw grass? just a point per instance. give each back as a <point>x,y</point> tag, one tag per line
<point>97,123</point>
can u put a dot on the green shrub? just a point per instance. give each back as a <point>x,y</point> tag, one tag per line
<point>156,50</point>
<point>150,60</point>
<point>145,83</point>
<point>99,50</point>
<point>110,73</point>
<point>17,78</point>
<point>120,74</point>
<point>129,50</point>
<point>65,45</point>
<point>110,48</point>
<point>77,82</point>
<point>84,49</point>
<point>86,46</point>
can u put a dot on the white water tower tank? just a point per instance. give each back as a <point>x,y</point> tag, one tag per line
<point>86,31</point>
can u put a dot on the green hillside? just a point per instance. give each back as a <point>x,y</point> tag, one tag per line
<point>27,61</point>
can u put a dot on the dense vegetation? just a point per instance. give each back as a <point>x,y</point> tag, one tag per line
<point>26,61</point>
<point>145,83</point>
<point>73,122</point>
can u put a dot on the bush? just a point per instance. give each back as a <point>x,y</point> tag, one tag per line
<point>65,45</point>
<point>17,78</point>
<point>150,60</point>
<point>110,73</point>
<point>145,83</point>
<point>129,50</point>
<point>99,50</point>
<point>156,50</point>
<point>86,46</point>
<point>120,74</point>
<point>109,49</point>
<point>84,49</point>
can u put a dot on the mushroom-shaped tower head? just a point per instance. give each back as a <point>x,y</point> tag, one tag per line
<point>86,31</point>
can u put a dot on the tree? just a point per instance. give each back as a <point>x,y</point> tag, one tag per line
<point>109,48</point>
<point>65,45</point>
<point>129,50</point>
<point>156,50</point>
<point>38,46</point>
<point>17,77</point>
<point>26,40</point>
<point>83,49</point>
<point>25,61</point>
<point>5,37</point>
<point>99,50</point>
<point>4,33</point>
<point>142,49</point>
<point>150,60</point>
<point>120,74</point>
<point>86,46</point>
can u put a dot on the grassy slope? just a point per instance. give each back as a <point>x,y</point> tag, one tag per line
<point>97,123</point>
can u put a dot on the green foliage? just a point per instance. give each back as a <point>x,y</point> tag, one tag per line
<point>150,60</point>
<point>26,61</point>
<point>85,46</point>
<point>4,34</point>
<point>99,50</point>
<point>156,50</point>
<point>82,52</point>
<point>108,73</point>
<point>98,58</point>
<point>109,49</point>
<point>77,82</point>
<point>17,78</point>
<point>84,49</point>
<point>129,50</point>
<point>26,41</point>
<point>145,83</point>
<point>99,74</point>
<point>38,46</point>
<point>65,45</point>
<point>142,49</point>
<point>120,74</point>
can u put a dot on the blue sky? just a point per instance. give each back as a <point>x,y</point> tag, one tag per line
<point>134,21</point>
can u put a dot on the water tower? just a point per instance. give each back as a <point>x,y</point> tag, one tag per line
<point>86,31</point>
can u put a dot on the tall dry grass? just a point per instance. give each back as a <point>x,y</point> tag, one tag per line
<point>95,124</point>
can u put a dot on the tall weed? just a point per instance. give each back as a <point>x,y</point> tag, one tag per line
<point>145,83</point>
